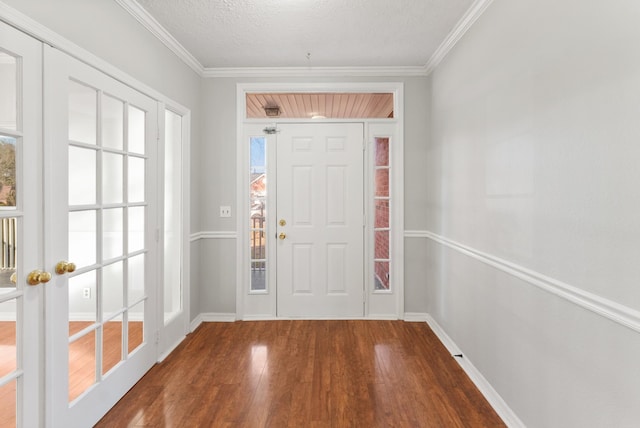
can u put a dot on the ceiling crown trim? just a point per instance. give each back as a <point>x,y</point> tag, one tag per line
<point>468,19</point>
<point>464,24</point>
<point>155,28</point>
<point>313,71</point>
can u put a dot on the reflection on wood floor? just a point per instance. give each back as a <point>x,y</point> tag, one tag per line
<point>306,374</point>
<point>82,360</point>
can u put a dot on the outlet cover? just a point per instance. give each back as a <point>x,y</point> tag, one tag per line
<point>225,211</point>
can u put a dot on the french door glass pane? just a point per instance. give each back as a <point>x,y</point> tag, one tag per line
<point>112,289</point>
<point>112,178</point>
<point>136,130</point>
<point>82,301</point>
<point>111,344</point>
<point>82,237</point>
<point>83,113</point>
<point>112,233</point>
<point>8,341</point>
<point>112,123</point>
<point>9,91</point>
<point>136,179</point>
<point>8,404</point>
<point>136,278</point>
<point>8,253</point>
<point>135,327</point>
<point>136,229</point>
<point>82,176</point>
<point>7,171</point>
<point>82,364</point>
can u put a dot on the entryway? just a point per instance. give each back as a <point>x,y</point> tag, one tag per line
<point>323,206</point>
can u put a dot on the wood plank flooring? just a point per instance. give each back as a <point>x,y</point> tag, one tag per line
<point>306,374</point>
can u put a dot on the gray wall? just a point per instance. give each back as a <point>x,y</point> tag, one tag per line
<point>218,160</point>
<point>533,161</point>
<point>106,30</point>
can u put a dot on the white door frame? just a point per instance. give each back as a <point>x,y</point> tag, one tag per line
<point>395,125</point>
<point>34,29</point>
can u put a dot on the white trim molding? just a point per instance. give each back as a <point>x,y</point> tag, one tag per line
<point>149,22</point>
<point>211,317</point>
<point>161,33</point>
<point>468,19</point>
<point>400,71</point>
<point>609,309</point>
<point>492,396</point>
<point>416,317</point>
<point>218,234</point>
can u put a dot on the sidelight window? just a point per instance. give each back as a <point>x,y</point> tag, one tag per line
<point>258,206</point>
<point>382,199</point>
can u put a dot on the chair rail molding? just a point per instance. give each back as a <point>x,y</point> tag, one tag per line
<point>217,234</point>
<point>616,312</point>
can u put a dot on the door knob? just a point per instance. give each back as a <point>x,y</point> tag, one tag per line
<point>282,235</point>
<point>282,222</point>
<point>65,267</point>
<point>13,278</point>
<point>38,277</point>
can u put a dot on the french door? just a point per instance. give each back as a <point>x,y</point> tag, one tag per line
<point>320,212</point>
<point>101,239</point>
<point>22,272</point>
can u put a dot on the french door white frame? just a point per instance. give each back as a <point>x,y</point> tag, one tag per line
<point>174,333</point>
<point>378,305</point>
<point>36,30</point>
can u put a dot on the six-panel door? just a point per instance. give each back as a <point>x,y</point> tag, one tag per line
<point>320,200</point>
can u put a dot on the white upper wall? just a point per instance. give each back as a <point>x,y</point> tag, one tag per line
<point>533,166</point>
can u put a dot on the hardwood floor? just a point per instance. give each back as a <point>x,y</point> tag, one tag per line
<point>306,374</point>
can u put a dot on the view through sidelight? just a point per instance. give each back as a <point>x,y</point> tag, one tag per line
<point>258,204</point>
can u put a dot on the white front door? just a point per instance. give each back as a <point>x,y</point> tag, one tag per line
<point>320,220</point>
<point>21,239</point>
<point>101,211</point>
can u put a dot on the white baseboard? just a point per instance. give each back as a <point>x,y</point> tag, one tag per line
<point>170,350</point>
<point>416,317</point>
<point>210,317</point>
<point>492,396</point>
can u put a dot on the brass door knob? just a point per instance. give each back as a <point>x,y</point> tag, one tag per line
<point>282,235</point>
<point>65,267</point>
<point>13,278</point>
<point>38,277</point>
<point>282,222</point>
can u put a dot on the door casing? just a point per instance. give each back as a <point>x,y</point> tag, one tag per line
<point>387,305</point>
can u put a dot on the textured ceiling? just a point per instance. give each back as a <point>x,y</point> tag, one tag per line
<point>336,33</point>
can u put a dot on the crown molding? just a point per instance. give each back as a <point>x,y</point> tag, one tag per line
<point>463,25</point>
<point>155,28</point>
<point>468,19</point>
<point>314,71</point>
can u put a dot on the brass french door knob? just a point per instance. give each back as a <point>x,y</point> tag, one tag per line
<point>282,235</point>
<point>65,267</point>
<point>38,277</point>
